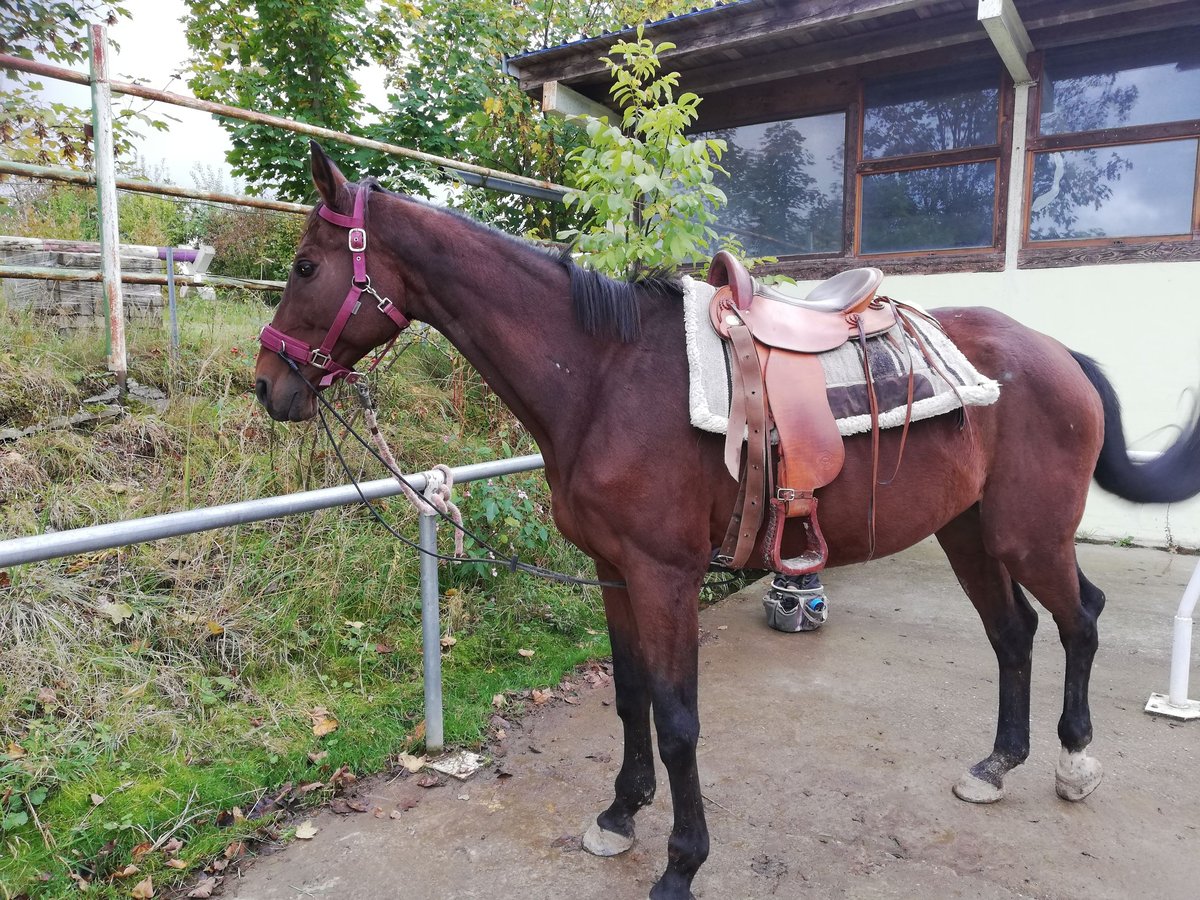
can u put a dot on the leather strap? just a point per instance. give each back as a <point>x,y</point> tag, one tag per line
<point>751,421</point>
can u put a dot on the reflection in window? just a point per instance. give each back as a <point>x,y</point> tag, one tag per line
<point>1108,192</point>
<point>930,111</point>
<point>1120,87</point>
<point>784,186</point>
<point>929,209</point>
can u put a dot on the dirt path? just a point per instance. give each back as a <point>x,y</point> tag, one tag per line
<point>827,760</point>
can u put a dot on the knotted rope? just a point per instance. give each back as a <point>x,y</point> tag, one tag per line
<point>439,481</point>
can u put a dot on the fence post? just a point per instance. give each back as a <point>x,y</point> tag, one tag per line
<point>431,633</point>
<point>174,318</point>
<point>104,160</point>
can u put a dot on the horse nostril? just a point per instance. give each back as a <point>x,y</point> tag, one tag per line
<point>260,390</point>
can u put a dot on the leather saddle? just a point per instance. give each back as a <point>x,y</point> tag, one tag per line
<point>779,392</point>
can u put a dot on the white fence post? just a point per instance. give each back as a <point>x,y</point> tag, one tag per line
<point>104,161</point>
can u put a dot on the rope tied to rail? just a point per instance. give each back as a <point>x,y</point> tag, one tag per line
<point>439,481</point>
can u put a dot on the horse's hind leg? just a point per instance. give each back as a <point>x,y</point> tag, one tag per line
<point>1054,577</point>
<point>1010,623</point>
<point>612,832</point>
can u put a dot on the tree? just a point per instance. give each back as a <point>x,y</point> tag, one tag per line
<point>47,133</point>
<point>293,58</point>
<point>647,190</point>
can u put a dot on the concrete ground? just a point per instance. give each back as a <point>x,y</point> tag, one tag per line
<point>826,760</point>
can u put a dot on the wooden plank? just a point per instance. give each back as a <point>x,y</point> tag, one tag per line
<point>562,102</point>
<point>986,153</point>
<point>1127,250</point>
<point>1107,137</point>
<point>721,27</point>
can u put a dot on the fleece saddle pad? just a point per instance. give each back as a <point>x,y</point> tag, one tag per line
<point>891,356</point>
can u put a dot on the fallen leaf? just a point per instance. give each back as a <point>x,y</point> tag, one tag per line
<point>204,889</point>
<point>141,849</point>
<point>383,648</point>
<point>316,756</point>
<point>412,763</point>
<point>418,734</point>
<point>307,830</point>
<point>525,653</point>
<point>214,628</point>
<point>46,696</point>
<point>574,701</point>
<point>358,805</point>
<point>174,845</point>
<point>409,803</point>
<point>342,779</point>
<point>540,697</point>
<point>219,865</point>
<point>15,751</point>
<point>118,612</point>
<point>97,799</point>
<point>144,889</point>
<point>176,863</point>
<point>498,701</point>
<point>429,781</point>
<point>377,812</point>
<point>448,642</point>
<point>43,877</point>
<point>5,579</point>
<point>127,872</point>
<point>236,849</point>
<point>308,788</point>
<point>355,625</point>
<point>324,726</point>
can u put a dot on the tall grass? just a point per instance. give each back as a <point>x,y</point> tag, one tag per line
<point>149,690</point>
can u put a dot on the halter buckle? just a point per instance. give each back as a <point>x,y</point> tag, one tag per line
<point>385,305</point>
<point>319,359</point>
<point>357,239</point>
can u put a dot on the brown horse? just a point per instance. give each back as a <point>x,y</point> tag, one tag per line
<point>596,370</point>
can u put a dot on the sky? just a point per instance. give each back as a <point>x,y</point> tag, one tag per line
<point>153,50</point>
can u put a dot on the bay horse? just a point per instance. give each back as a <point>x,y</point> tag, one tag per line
<point>596,370</point>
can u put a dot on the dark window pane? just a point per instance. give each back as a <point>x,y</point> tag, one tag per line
<point>1141,189</point>
<point>930,111</point>
<point>1114,86</point>
<point>929,209</point>
<point>785,185</point>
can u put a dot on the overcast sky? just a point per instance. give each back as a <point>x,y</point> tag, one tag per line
<point>153,50</point>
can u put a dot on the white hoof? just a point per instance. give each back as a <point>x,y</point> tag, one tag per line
<point>976,790</point>
<point>1077,775</point>
<point>601,842</point>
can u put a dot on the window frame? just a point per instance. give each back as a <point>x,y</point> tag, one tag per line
<point>1095,250</point>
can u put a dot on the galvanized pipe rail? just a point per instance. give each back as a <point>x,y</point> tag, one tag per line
<point>41,547</point>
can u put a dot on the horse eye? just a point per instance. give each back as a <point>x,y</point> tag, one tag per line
<point>305,269</point>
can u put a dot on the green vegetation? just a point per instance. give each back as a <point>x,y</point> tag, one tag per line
<point>158,691</point>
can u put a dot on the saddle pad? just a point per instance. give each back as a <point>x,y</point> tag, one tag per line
<point>710,379</point>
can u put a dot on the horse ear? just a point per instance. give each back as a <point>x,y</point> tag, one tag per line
<point>325,175</point>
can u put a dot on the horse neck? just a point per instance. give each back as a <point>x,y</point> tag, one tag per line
<point>507,310</point>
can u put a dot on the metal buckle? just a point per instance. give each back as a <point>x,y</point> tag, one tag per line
<point>319,359</point>
<point>787,495</point>
<point>362,239</point>
<point>384,304</point>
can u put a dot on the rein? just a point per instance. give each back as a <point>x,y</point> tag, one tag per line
<point>296,350</point>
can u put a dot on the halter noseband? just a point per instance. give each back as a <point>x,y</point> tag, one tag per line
<point>360,283</point>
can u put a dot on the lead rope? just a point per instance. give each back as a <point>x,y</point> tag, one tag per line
<point>439,482</point>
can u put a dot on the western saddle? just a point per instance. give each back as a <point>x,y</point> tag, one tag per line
<point>779,410</point>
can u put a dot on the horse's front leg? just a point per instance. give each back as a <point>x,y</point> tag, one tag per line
<point>666,608</point>
<point>613,831</point>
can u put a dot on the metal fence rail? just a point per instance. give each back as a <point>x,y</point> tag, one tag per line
<point>41,547</point>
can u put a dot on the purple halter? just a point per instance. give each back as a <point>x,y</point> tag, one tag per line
<point>360,283</point>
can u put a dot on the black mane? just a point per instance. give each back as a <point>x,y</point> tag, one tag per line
<point>608,307</point>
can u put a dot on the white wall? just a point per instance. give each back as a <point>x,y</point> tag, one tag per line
<point>1141,322</point>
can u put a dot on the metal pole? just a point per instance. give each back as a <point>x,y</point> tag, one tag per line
<point>431,635</point>
<point>50,273</point>
<point>171,303</point>
<point>106,187</point>
<point>38,547</point>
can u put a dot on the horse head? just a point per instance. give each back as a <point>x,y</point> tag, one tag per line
<point>334,311</point>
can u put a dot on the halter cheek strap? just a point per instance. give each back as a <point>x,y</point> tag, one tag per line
<point>360,283</point>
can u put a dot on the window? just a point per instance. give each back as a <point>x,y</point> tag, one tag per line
<point>930,162</point>
<point>1118,133</point>
<point>785,185</point>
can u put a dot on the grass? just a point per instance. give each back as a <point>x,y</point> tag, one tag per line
<point>148,691</point>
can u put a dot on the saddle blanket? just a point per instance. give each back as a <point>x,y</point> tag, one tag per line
<point>711,380</point>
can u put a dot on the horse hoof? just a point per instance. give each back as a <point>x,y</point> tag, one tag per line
<point>1077,775</point>
<point>602,842</point>
<point>976,790</point>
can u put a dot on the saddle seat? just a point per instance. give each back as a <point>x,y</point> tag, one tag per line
<point>779,389</point>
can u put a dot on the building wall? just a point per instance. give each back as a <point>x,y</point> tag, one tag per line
<point>1141,322</point>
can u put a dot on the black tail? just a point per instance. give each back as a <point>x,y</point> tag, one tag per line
<point>1173,476</point>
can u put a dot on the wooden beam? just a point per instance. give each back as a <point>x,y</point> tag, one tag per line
<point>721,27</point>
<point>563,102</point>
<point>1003,24</point>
